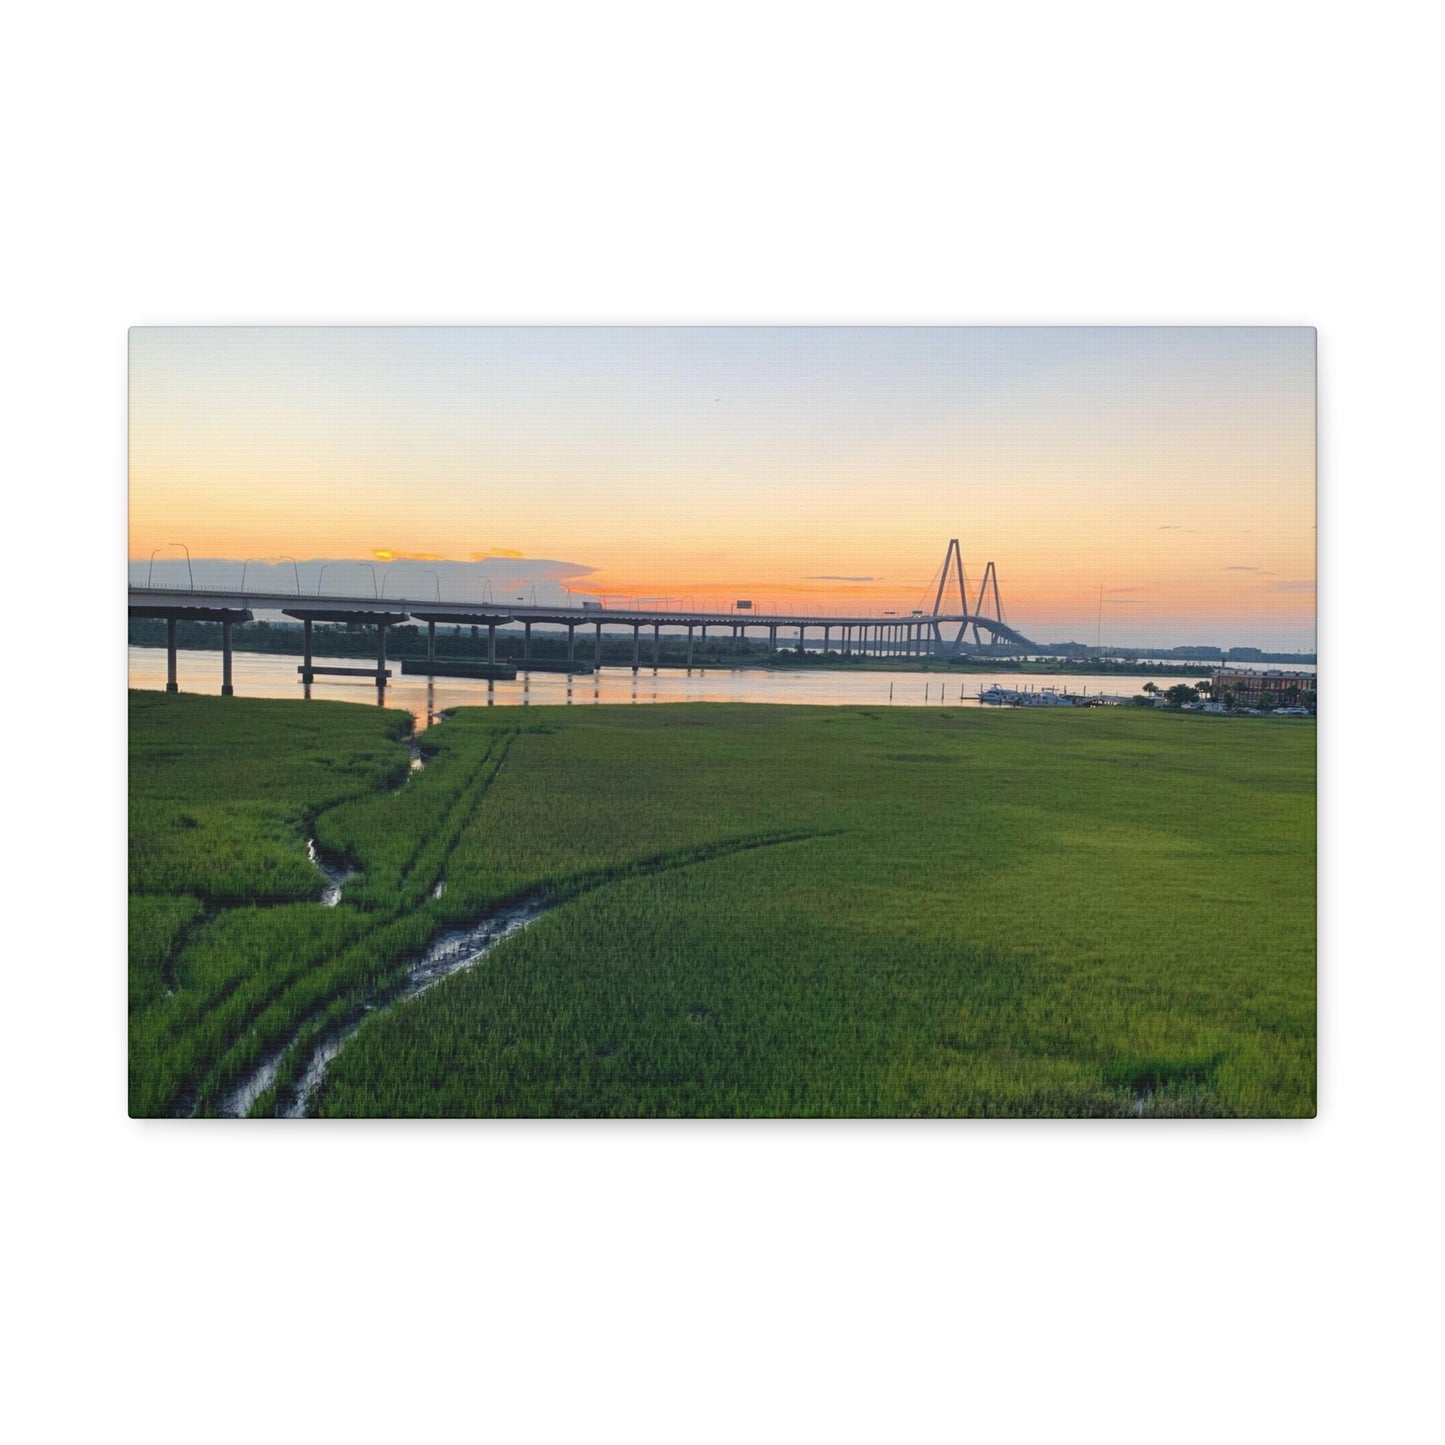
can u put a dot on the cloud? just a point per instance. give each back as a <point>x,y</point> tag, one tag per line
<point>832,577</point>
<point>494,552</point>
<point>388,554</point>
<point>1291,586</point>
<point>1239,567</point>
<point>1123,601</point>
<point>1171,527</point>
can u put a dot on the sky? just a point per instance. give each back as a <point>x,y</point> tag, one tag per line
<point>1150,486</point>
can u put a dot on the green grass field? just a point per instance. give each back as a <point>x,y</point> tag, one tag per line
<point>757,910</point>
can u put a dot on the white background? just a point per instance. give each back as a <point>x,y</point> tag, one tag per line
<point>783,163</point>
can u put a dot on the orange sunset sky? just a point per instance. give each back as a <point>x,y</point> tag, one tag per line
<point>820,468</point>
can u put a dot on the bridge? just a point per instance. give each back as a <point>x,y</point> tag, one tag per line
<point>918,634</point>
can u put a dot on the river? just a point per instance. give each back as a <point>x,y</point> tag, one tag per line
<point>265,674</point>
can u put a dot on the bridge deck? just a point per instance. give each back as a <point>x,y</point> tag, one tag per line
<point>168,601</point>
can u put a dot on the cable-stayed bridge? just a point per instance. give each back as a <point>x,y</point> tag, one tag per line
<point>921,633</point>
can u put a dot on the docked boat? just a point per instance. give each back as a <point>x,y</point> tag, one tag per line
<point>997,696</point>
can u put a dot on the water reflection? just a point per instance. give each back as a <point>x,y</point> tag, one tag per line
<point>258,674</point>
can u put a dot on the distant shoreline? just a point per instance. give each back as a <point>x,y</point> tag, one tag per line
<point>619,653</point>
<point>336,644</point>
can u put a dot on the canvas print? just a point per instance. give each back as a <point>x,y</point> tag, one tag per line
<point>790,722</point>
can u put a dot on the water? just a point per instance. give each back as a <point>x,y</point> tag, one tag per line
<point>336,873</point>
<point>449,952</point>
<point>260,674</point>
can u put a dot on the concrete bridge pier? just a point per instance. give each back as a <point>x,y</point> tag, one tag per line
<point>431,639</point>
<point>491,642</point>
<point>226,689</point>
<point>689,645</point>
<point>571,642</point>
<point>656,642</point>
<point>526,642</point>
<point>636,634</point>
<point>171,685</point>
<point>597,651</point>
<point>827,632</point>
<point>772,637</point>
<point>381,657</point>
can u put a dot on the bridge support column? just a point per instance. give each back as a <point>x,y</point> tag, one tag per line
<point>597,653</point>
<point>571,642</point>
<point>800,637</point>
<point>827,632</point>
<point>171,654</point>
<point>226,689</point>
<point>431,640</point>
<point>689,645</point>
<point>636,634</point>
<point>526,642</point>
<point>381,657</point>
<point>656,641</point>
<point>491,642</point>
<point>306,674</point>
<point>772,637</point>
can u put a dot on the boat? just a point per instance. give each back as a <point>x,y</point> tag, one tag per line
<point>997,696</point>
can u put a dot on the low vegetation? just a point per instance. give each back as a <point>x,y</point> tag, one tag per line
<point>755,910</point>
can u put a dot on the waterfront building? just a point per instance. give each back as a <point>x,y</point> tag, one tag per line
<point>1250,688</point>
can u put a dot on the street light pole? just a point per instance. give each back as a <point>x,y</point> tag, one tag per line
<point>294,568</point>
<point>152,566</point>
<point>372,570</point>
<point>187,551</point>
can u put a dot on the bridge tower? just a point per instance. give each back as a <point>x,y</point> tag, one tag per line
<point>988,590</point>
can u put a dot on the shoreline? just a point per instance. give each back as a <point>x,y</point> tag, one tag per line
<point>782,661</point>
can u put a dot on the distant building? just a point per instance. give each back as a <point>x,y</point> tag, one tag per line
<point>1260,689</point>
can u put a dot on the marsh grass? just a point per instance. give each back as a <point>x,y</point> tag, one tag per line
<point>756,910</point>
